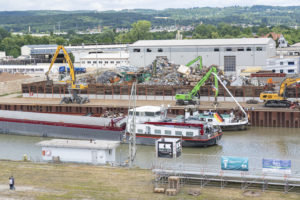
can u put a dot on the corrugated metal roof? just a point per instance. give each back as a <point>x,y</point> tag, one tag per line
<point>202,42</point>
<point>81,144</point>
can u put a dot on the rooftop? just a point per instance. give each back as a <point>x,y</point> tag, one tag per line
<point>284,57</point>
<point>148,109</point>
<point>204,42</point>
<point>80,144</point>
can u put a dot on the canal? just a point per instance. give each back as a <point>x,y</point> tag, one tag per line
<point>255,143</point>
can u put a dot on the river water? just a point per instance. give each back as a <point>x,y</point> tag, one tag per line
<point>255,143</point>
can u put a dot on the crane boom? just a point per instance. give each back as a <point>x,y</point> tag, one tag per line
<point>74,89</point>
<point>195,60</point>
<point>285,83</point>
<point>71,66</point>
<point>181,98</point>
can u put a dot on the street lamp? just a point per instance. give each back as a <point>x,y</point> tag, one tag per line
<point>97,57</point>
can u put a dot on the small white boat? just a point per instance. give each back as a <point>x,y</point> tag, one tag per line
<point>227,122</point>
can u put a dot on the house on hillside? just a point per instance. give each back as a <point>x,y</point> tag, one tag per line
<point>279,38</point>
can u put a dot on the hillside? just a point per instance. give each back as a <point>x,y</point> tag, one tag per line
<point>44,21</point>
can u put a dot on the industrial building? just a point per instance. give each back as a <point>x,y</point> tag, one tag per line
<point>44,53</point>
<point>284,64</point>
<point>232,55</point>
<point>105,60</point>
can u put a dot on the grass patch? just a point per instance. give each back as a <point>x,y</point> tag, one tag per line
<point>77,181</point>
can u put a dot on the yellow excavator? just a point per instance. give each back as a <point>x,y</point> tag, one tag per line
<point>273,99</point>
<point>74,88</point>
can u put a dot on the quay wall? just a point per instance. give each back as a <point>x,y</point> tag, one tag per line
<point>262,118</point>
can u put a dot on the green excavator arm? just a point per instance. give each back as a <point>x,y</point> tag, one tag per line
<point>195,60</point>
<point>192,94</point>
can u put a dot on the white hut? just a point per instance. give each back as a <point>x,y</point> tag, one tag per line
<point>81,151</point>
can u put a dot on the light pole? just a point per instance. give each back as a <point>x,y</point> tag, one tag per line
<point>97,57</point>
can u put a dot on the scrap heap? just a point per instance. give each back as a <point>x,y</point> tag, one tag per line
<point>159,72</point>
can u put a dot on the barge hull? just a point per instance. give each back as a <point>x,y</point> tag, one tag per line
<point>40,130</point>
<point>185,143</point>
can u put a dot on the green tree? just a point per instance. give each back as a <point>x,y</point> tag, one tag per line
<point>263,31</point>
<point>140,30</point>
<point>3,33</point>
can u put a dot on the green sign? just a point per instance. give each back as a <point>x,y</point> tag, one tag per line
<point>234,163</point>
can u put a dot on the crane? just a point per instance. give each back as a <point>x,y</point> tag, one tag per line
<point>273,99</point>
<point>189,98</point>
<point>195,60</point>
<point>74,88</point>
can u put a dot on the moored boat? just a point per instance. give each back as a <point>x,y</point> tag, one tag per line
<point>61,125</point>
<point>151,123</point>
<point>227,122</point>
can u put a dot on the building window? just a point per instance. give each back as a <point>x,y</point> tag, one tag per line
<point>228,49</point>
<point>112,62</point>
<point>136,50</point>
<point>157,131</point>
<point>118,62</point>
<point>291,71</point>
<point>167,132</point>
<point>281,63</point>
<point>248,48</point>
<point>240,49</point>
<point>273,70</point>
<point>140,130</point>
<point>229,63</point>
<point>89,62</point>
<point>83,62</point>
<point>190,134</point>
<point>94,62</point>
<point>216,49</point>
<point>106,62</point>
<point>258,48</point>
<point>209,120</point>
<point>178,133</point>
<point>160,50</point>
<point>100,62</point>
<point>291,63</point>
<point>149,50</point>
<point>281,71</point>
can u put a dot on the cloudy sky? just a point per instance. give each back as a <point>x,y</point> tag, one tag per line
<point>9,5</point>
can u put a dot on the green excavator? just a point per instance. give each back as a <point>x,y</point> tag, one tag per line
<point>191,97</point>
<point>195,60</point>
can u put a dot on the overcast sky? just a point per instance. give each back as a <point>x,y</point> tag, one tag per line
<point>101,5</point>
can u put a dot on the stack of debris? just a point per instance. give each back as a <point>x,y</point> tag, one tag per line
<point>108,77</point>
<point>159,72</point>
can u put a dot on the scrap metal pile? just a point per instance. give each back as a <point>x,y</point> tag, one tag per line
<point>159,72</point>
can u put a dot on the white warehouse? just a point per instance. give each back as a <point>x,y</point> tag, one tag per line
<point>232,55</point>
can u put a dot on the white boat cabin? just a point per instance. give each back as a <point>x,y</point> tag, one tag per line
<point>158,114</point>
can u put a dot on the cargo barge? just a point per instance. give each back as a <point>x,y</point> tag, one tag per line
<point>61,125</point>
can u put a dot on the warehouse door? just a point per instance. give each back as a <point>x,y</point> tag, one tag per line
<point>229,63</point>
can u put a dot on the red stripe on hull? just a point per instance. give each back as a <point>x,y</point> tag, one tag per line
<point>183,138</point>
<point>26,121</point>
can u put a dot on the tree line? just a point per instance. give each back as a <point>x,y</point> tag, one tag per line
<point>140,30</point>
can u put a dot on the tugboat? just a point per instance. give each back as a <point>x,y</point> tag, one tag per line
<point>151,123</point>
